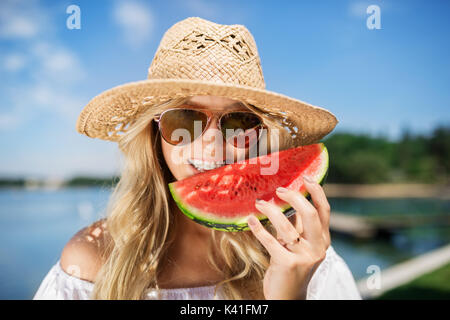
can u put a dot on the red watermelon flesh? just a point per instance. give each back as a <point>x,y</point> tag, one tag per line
<point>223,198</point>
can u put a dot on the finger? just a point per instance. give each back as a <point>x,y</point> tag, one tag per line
<point>322,205</point>
<point>272,245</point>
<point>296,221</point>
<point>285,230</point>
<point>312,227</point>
<point>320,201</point>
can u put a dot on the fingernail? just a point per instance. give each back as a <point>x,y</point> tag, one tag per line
<point>308,179</point>
<point>282,190</point>
<point>259,201</point>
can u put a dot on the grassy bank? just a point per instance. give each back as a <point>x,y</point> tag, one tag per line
<point>430,286</point>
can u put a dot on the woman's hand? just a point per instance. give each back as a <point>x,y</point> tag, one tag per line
<point>292,263</point>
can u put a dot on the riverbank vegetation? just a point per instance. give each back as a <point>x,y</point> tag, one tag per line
<point>362,159</point>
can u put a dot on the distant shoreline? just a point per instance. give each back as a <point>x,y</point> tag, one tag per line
<point>387,190</point>
<point>332,190</point>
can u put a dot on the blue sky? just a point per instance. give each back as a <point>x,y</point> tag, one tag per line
<point>374,81</point>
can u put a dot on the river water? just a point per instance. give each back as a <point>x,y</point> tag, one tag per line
<point>36,224</point>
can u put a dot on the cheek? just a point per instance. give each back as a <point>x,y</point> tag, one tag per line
<point>174,160</point>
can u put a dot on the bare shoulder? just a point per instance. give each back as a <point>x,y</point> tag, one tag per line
<point>84,254</point>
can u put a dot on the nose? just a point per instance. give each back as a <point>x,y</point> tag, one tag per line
<point>209,145</point>
<point>212,131</point>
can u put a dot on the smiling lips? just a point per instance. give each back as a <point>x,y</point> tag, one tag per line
<point>205,165</point>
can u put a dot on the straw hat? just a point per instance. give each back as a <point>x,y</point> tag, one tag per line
<point>200,57</point>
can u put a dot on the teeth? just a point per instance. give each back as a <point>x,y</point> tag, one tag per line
<point>206,165</point>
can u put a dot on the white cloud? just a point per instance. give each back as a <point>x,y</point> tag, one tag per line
<point>14,62</point>
<point>56,63</point>
<point>47,86</point>
<point>9,121</point>
<point>18,27</point>
<point>26,103</point>
<point>47,96</point>
<point>49,70</point>
<point>20,19</point>
<point>51,74</point>
<point>136,21</point>
<point>358,9</point>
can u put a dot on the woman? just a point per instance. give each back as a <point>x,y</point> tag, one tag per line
<point>146,248</point>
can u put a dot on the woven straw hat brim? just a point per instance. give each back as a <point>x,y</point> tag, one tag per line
<point>108,115</point>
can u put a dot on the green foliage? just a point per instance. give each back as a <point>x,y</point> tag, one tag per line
<point>92,181</point>
<point>12,182</point>
<point>364,167</point>
<point>439,148</point>
<point>363,159</point>
<point>433,285</point>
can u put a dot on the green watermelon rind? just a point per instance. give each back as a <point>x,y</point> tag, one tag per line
<point>240,224</point>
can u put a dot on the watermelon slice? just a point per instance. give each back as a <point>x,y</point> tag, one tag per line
<point>223,198</point>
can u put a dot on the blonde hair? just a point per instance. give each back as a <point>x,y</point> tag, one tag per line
<point>140,225</point>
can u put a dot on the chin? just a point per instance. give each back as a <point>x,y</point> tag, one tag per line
<point>185,172</point>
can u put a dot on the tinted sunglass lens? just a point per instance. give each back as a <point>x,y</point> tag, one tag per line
<point>178,126</point>
<point>241,129</point>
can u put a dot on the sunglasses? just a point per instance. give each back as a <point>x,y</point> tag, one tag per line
<point>239,128</point>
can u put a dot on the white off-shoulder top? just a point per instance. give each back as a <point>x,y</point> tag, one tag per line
<point>332,280</point>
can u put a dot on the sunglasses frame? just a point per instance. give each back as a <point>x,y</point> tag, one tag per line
<point>210,115</point>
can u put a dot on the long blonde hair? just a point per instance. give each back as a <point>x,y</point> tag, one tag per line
<point>140,225</point>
